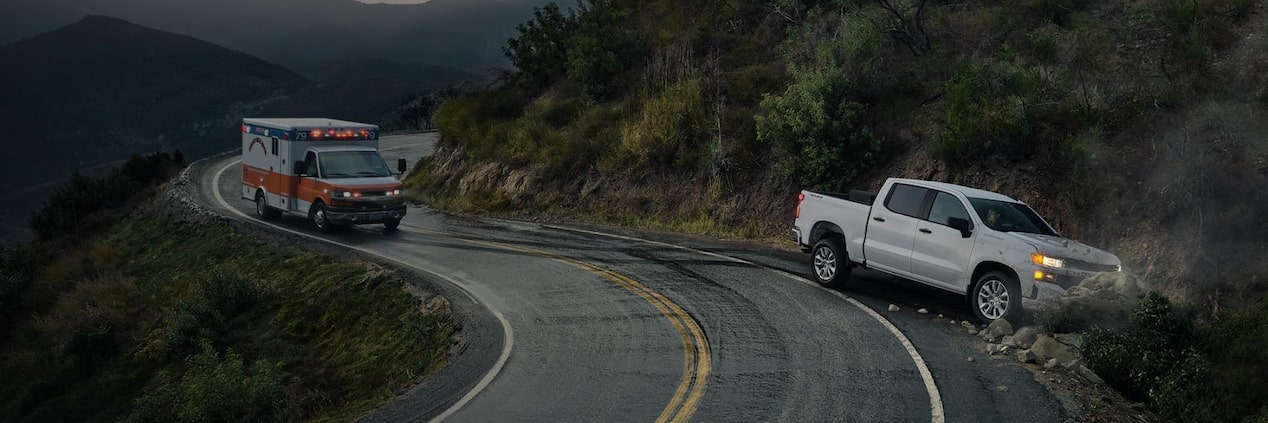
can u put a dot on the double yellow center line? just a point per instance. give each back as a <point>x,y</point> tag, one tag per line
<point>697,360</point>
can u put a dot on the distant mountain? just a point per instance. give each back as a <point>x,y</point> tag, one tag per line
<point>102,88</point>
<point>466,34</point>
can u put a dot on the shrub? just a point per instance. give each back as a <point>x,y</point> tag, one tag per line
<point>1156,357</point>
<point>671,126</point>
<point>987,111</point>
<point>599,49</point>
<point>819,129</point>
<point>1237,342</point>
<point>77,207</point>
<point>212,390</point>
<point>203,315</point>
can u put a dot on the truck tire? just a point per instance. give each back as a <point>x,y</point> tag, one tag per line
<point>262,208</point>
<point>319,218</point>
<point>996,295</point>
<point>391,224</point>
<point>829,263</point>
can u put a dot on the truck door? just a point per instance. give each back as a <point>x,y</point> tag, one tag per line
<point>940,254</point>
<point>892,229</point>
<point>309,187</point>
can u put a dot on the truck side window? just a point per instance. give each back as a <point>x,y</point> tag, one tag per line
<point>274,146</point>
<point>906,200</point>
<point>310,161</point>
<point>945,207</point>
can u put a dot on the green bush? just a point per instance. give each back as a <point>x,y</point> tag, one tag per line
<point>84,203</point>
<point>1237,342</point>
<point>988,111</point>
<point>1156,357</point>
<point>821,132</point>
<point>213,390</point>
<point>203,315</point>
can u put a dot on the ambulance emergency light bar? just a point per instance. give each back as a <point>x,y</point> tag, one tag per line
<point>322,134</point>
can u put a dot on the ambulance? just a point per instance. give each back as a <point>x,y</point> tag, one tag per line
<point>328,171</point>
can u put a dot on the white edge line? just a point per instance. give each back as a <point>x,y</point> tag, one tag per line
<point>935,399</point>
<point>507,333</point>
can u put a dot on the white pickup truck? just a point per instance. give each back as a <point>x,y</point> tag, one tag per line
<point>989,247</point>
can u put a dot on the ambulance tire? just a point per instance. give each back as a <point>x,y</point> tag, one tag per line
<point>262,208</point>
<point>318,215</point>
<point>391,224</point>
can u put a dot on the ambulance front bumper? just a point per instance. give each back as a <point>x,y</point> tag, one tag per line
<point>358,215</point>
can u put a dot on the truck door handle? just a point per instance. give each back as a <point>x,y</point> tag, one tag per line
<point>925,231</point>
<point>878,219</point>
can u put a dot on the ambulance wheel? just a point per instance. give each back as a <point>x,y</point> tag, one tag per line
<point>319,218</point>
<point>391,224</point>
<point>262,208</point>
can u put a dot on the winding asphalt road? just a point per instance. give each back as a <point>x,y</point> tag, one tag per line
<point>605,324</point>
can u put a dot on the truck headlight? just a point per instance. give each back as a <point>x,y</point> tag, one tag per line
<point>1042,260</point>
<point>342,194</point>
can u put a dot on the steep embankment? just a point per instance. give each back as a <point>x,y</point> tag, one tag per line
<point>1136,126</point>
<point>145,309</point>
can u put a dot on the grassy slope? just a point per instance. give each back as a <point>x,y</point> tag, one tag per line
<point>159,320</point>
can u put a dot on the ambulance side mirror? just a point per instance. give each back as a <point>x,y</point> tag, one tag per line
<point>300,166</point>
<point>400,166</point>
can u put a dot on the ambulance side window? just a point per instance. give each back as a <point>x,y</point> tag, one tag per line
<point>274,146</point>
<point>311,161</point>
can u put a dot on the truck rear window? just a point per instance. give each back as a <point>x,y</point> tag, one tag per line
<point>906,199</point>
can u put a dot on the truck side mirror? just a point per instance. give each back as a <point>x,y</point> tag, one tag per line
<point>400,166</point>
<point>300,166</point>
<point>963,225</point>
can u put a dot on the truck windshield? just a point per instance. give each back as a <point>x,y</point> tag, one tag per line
<point>353,164</point>
<point>1006,216</point>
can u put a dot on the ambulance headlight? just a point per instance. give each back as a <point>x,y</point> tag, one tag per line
<point>342,194</point>
<point>394,192</point>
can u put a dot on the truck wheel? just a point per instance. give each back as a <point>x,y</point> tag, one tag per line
<point>319,218</point>
<point>831,263</point>
<point>996,295</point>
<point>391,224</point>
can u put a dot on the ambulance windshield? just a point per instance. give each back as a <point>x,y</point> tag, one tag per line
<point>353,164</point>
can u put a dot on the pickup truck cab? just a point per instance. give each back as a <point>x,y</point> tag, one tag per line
<point>993,249</point>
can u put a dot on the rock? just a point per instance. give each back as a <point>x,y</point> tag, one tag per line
<point>970,359</point>
<point>967,324</point>
<point>923,311</point>
<point>999,327</point>
<point>940,315</point>
<point>953,322</point>
<point>1025,336</point>
<point>1008,340</point>
<point>893,308</point>
<point>972,331</point>
<point>1047,347</point>
<point>1104,300</point>
<point>1090,375</point>
<point>993,348</point>
<point>1073,364</point>
<point>1001,388</point>
<point>1051,363</point>
<point>1025,356</point>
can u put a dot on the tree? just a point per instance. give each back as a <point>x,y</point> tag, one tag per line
<point>540,51</point>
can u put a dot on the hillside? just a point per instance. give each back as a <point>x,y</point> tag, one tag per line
<point>101,89</point>
<point>457,33</point>
<point>1132,126</point>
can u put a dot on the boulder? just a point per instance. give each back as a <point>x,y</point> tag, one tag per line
<point>997,329</point>
<point>1046,348</point>
<point>923,311</point>
<point>1090,375</point>
<point>1025,356</point>
<point>893,307</point>
<point>1050,364</point>
<point>1025,336</point>
<point>1104,300</point>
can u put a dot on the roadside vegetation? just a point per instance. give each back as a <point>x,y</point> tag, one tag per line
<point>1134,126</point>
<point>120,313</point>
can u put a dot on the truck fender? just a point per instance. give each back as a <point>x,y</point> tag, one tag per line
<point>824,229</point>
